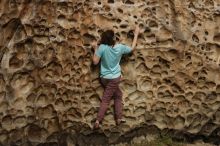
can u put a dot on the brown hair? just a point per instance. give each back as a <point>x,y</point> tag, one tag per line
<point>107,38</point>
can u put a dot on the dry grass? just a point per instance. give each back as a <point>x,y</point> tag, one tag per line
<point>164,141</point>
<point>167,141</point>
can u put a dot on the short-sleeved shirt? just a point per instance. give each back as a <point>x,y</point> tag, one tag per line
<point>110,59</point>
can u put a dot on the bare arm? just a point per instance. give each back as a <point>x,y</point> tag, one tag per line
<point>95,58</point>
<point>136,33</point>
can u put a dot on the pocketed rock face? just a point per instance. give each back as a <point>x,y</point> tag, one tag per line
<point>50,91</point>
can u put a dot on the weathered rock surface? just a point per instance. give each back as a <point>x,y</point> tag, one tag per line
<point>50,92</point>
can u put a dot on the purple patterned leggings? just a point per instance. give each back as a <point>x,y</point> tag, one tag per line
<point>111,89</point>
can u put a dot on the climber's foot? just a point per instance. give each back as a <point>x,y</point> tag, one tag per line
<point>120,121</point>
<point>96,125</point>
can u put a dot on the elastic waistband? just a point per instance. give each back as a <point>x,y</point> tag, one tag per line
<point>111,79</point>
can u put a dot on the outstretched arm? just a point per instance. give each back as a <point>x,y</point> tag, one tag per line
<point>136,33</point>
<point>95,58</point>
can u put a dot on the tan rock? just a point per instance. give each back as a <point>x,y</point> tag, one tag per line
<point>50,92</point>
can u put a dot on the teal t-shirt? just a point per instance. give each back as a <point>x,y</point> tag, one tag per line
<point>110,59</point>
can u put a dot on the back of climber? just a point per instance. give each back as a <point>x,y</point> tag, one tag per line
<point>110,72</point>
